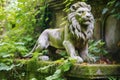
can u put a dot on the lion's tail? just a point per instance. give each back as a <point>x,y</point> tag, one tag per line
<point>31,52</point>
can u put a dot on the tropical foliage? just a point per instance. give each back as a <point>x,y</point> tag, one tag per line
<point>113,7</point>
<point>20,24</point>
<point>19,20</point>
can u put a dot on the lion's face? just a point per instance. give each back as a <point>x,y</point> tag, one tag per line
<point>84,16</point>
<point>81,20</point>
<point>82,13</point>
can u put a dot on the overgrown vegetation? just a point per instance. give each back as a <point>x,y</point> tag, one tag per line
<point>113,7</point>
<point>60,71</point>
<point>97,48</point>
<point>19,21</point>
<point>20,24</point>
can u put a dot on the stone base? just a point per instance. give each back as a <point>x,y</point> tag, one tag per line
<point>77,72</point>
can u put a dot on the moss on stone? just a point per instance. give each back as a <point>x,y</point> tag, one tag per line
<point>94,71</point>
<point>89,71</point>
<point>31,70</point>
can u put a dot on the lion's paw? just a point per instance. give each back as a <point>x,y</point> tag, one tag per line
<point>90,59</point>
<point>79,59</point>
<point>43,58</point>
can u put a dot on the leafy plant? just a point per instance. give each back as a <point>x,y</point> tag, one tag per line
<point>113,7</point>
<point>9,66</point>
<point>60,70</point>
<point>19,21</point>
<point>113,78</point>
<point>97,47</point>
<point>19,28</point>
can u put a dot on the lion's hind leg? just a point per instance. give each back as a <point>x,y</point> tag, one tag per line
<point>41,44</point>
<point>43,41</point>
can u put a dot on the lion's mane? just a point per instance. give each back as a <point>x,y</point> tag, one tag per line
<point>76,27</point>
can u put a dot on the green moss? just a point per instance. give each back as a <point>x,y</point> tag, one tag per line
<point>94,71</point>
<point>58,40</point>
<point>31,69</point>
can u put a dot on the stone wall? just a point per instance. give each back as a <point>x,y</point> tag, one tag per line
<point>112,34</point>
<point>56,7</point>
<point>97,30</point>
<point>30,71</point>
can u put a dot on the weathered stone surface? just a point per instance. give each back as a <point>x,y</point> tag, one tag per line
<point>96,33</point>
<point>112,33</point>
<point>31,70</point>
<point>91,71</point>
<point>77,71</point>
<point>94,71</point>
<point>56,4</point>
<point>56,7</point>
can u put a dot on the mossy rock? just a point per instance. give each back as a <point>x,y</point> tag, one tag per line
<point>31,67</point>
<point>90,71</point>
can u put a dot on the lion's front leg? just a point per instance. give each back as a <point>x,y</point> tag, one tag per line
<point>71,51</point>
<point>85,56</point>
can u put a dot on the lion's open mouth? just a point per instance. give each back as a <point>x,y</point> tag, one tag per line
<point>86,22</point>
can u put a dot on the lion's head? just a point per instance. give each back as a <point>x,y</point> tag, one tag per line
<point>81,20</point>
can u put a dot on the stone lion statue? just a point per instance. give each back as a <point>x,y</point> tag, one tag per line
<point>74,36</point>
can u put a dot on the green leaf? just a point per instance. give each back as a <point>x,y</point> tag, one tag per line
<point>33,79</point>
<point>105,10</point>
<point>2,17</point>
<point>65,67</point>
<point>56,75</point>
<point>66,1</point>
<point>5,67</point>
<point>7,55</point>
<point>117,4</point>
<point>19,43</point>
<point>45,67</point>
<point>67,5</point>
<point>21,0</point>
